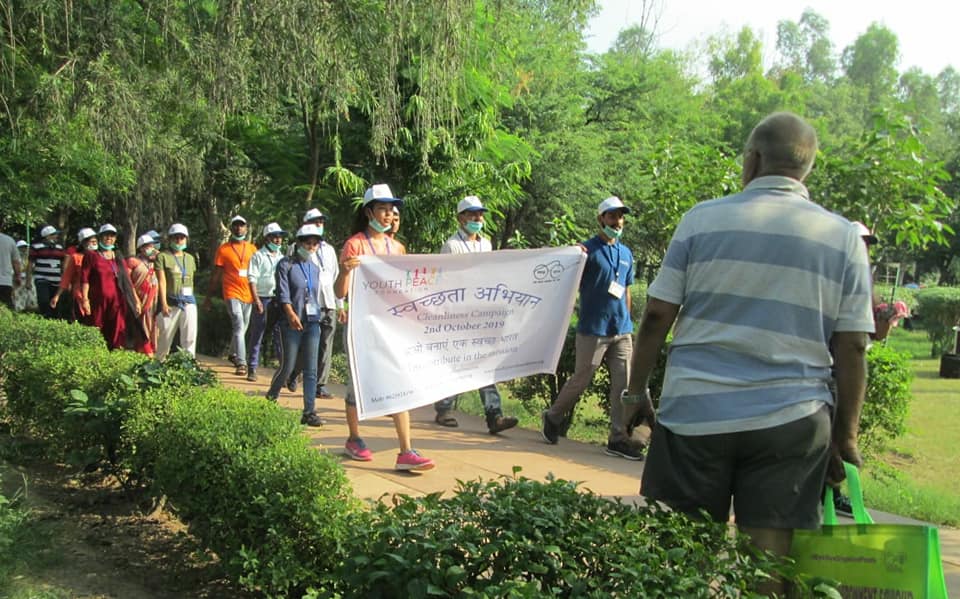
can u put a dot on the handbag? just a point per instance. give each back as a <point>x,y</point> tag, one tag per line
<point>869,559</point>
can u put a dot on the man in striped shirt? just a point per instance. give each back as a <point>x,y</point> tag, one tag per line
<point>46,264</point>
<point>760,284</point>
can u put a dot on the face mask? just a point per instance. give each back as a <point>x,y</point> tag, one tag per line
<point>320,228</point>
<point>238,237</point>
<point>178,246</point>
<point>380,228</point>
<point>273,247</point>
<point>473,226</point>
<point>612,233</point>
<point>106,247</point>
<point>150,253</point>
<point>304,253</point>
<point>91,246</point>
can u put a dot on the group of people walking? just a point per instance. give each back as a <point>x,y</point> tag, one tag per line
<point>137,302</point>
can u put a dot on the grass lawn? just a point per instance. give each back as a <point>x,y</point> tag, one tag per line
<point>928,454</point>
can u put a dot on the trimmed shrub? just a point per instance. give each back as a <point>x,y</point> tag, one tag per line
<point>73,398</point>
<point>940,310</point>
<point>522,538</point>
<point>29,331</point>
<point>888,396</point>
<point>241,474</point>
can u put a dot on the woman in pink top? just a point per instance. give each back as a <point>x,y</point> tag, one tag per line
<point>374,221</point>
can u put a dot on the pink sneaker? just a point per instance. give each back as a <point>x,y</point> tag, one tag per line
<point>357,450</point>
<point>411,460</point>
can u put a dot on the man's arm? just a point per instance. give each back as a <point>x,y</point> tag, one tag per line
<point>850,356</point>
<point>658,318</point>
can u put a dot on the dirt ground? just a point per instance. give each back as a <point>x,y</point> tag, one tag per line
<point>90,538</point>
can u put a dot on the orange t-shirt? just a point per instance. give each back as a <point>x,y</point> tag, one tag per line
<point>234,259</point>
<point>71,272</point>
<point>361,245</point>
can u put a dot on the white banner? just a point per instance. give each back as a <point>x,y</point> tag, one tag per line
<point>427,326</point>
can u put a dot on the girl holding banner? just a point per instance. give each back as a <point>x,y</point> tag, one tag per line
<point>374,221</point>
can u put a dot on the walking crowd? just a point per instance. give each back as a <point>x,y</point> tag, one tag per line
<point>768,295</point>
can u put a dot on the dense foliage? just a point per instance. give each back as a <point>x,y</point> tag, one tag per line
<point>940,310</point>
<point>145,113</point>
<point>888,397</point>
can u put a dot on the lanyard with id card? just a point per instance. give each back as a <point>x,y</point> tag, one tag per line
<point>615,289</point>
<point>311,307</point>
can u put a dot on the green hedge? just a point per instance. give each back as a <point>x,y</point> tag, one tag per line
<point>940,309</point>
<point>45,388</point>
<point>888,396</point>
<point>522,538</point>
<point>242,474</point>
<point>280,513</point>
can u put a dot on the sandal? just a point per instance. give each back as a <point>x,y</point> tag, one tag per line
<point>445,419</point>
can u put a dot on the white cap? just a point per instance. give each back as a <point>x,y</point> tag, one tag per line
<point>308,231</point>
<point>471,203</point>
<point>380,193</point>
<point>313,214</point>
<point>864,232</point>
<point>237,219</point>
<point>85,234</point>
<point>611,203</point>
<point>144,240</point>
<point>177,229</point>
<point>48,230</point>
<point>107,228</point>
<point>21,244</point>
<point>273,229</point>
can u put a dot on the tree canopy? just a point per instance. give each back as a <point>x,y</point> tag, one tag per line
<point>146,113</point>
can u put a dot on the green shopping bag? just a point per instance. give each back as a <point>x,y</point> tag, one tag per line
<point>871,560</point>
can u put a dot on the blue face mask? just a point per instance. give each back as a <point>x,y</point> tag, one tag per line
<point>178,246</point>
<point>304,253</point>
<point>320,228</point>
<point>238,237</point>
<point>273,247</point>
<point>378,227</point>
<point>473,226</point>
<point>612,233</point>
<point>106,247</point>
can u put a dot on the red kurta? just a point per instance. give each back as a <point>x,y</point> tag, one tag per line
<point>107,308</point>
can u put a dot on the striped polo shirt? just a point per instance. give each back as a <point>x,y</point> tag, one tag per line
<point>764,279</point>
<point>47,261</point>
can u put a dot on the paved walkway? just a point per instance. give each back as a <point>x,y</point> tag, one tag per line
<point>470,452</point>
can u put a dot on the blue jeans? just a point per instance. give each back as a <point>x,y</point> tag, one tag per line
<point>239,320</point>
<point>256,330</point>
<point>328,326</point>
<point>304,344</point>
<point>488,395</point>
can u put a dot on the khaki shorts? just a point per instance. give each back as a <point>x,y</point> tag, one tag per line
<point>774,476</point>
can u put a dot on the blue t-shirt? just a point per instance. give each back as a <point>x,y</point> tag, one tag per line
<point>602,314</point>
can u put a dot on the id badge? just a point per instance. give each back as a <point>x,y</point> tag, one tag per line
<point>313,312</point>
<point>242,273</point>
<point>616,289</point>
<point>186,291</point>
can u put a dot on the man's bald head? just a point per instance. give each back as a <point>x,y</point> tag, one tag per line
<point>781,144</point>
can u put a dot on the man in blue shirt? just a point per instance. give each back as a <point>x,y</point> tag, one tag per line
<point>604,330</point>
